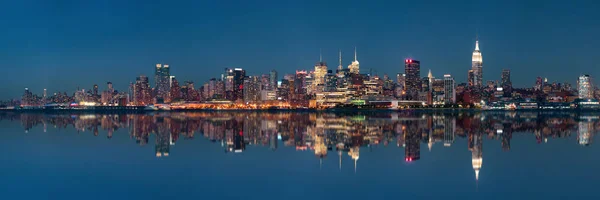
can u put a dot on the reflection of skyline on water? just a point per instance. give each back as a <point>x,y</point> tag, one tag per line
<point>323,133</point>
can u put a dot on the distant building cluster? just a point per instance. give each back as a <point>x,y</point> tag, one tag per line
<point>321,87</point>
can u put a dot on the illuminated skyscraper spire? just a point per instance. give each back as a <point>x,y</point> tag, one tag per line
<point>354,67</point>
<point>477,66</point>
<point>430,142</point>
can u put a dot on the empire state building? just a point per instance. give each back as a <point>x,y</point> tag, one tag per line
<point>476,78</point>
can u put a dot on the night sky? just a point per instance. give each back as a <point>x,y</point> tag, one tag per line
<point>62,44</point>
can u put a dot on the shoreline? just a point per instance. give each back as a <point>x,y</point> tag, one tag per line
<point>333,110</point>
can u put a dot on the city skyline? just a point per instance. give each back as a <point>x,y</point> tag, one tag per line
<point>70,53</point>
<point>320,75</point>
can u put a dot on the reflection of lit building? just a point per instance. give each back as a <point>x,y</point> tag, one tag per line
<point>320,148</point>
<point>354,154</point>
<point>238,143</point>
<point>273,141</point>
<point>412,150</point>
<point>163,138</point>
<point>340,158</point>
<point>321,131</point>
<point>505,136</point>
<point>584,133</point>
<point>449,129</point>
<point>476,148</point>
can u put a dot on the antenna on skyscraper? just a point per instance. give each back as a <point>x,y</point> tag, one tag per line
<point>340,66</point>
<point>340,51</point>
<point>355,53</point>
<point>320,55</point>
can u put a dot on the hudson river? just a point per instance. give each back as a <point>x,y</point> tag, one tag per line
<point>299,155</point>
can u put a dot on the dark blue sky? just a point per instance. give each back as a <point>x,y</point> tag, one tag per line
<point>63,44</point>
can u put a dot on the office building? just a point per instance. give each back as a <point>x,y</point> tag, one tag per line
<point>470,78</point>
<point>400,80</point>
<point>330,82</point>
<point>425,84</point>
<point>506,83</point>
<point>142,91</point>
<point>252,89</point>
<point>162,77</point>
<point>273,79</point>
<point>175,92</point>
<point>585,87</point>
<point>412,71</point>
<point>449,91</point>
<point>320,72</point>
<point>234,83</point>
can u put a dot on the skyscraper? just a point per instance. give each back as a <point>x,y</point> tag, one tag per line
<point>401,80</point>
<point>175,92</point>
<point>273,79</point>
<point>412,69</point>
<point>425,84</point>
<point>330,82</point>
<point>252,89</point>
<point>219,89</point>
<point>449,92</point>
<point>300,82</point>
<point>477,67</point>
<point>584,87</point>
<point>354,67</point>
<point>161,77</point>
<point>320,72</point>
<point>95,90</point>
<point>506,83</point>
<point>430,80</point>
<point>470,78</point>
<point>212,88</point>
<point>141,91</point>
<point>538,83</point>
<point>238,83</point>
